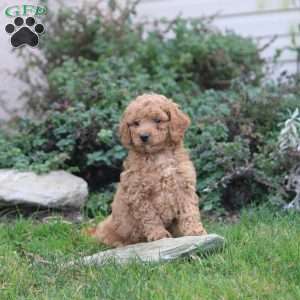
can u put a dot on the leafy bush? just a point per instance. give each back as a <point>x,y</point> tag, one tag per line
<point>289,138</point>
<point>106,56</point>
<point>234,148</point>
<point>235,153</point>
<point>102,60</point>
<point>100,202</point>
<point>80,140</point>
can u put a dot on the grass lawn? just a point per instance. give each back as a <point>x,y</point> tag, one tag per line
<point>261,261</point>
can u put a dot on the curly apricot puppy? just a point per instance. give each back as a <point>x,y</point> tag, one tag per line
<point>156,196</point>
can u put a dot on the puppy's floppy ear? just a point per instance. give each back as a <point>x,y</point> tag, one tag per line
<point>179,122</point>
<point>124,132</point>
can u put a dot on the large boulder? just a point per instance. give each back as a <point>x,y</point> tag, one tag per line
<point>57,189</point>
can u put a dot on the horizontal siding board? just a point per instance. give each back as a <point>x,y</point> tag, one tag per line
<point>283,43</point>
<point>277,23</point>
<point>194,8</point>
<point>261,25</point>
<point>289,67</point>
<point>254,25</point>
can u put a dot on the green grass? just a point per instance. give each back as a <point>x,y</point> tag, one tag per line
<point>260,261</point>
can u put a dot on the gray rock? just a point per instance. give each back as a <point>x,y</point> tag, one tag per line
<point>57,189</point>
<point>157,251</point>
<point>293,185</point>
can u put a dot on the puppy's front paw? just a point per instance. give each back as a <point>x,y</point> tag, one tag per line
<point>158,235</point>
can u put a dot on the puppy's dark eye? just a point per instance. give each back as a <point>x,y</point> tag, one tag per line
<point>157,120</point>
<point>136,123</point>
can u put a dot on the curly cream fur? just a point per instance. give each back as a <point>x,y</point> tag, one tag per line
<point>156,196</point>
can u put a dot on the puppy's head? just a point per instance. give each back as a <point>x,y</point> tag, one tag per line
<point>152,122</point>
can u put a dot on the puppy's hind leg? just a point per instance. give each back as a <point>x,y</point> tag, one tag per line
<point>106,233</point>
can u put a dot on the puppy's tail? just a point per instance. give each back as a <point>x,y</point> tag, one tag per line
<point>105,233</point>
<point>101,230</point>
<point>91,231</point>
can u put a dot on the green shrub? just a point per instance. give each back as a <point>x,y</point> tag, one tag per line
<point>235,153</point>
<point>234,148</point>
<point>99,203</point>
<point>100,61</point>
<point>107,58</point>
<point>80,140</point>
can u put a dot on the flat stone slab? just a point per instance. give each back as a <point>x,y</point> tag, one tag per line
<point>57,189</point>
<point>157,251</point>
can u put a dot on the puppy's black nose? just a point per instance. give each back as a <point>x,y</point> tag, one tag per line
<point>144,137</point>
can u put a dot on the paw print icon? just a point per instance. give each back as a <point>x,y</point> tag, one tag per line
<point>24,33</point>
